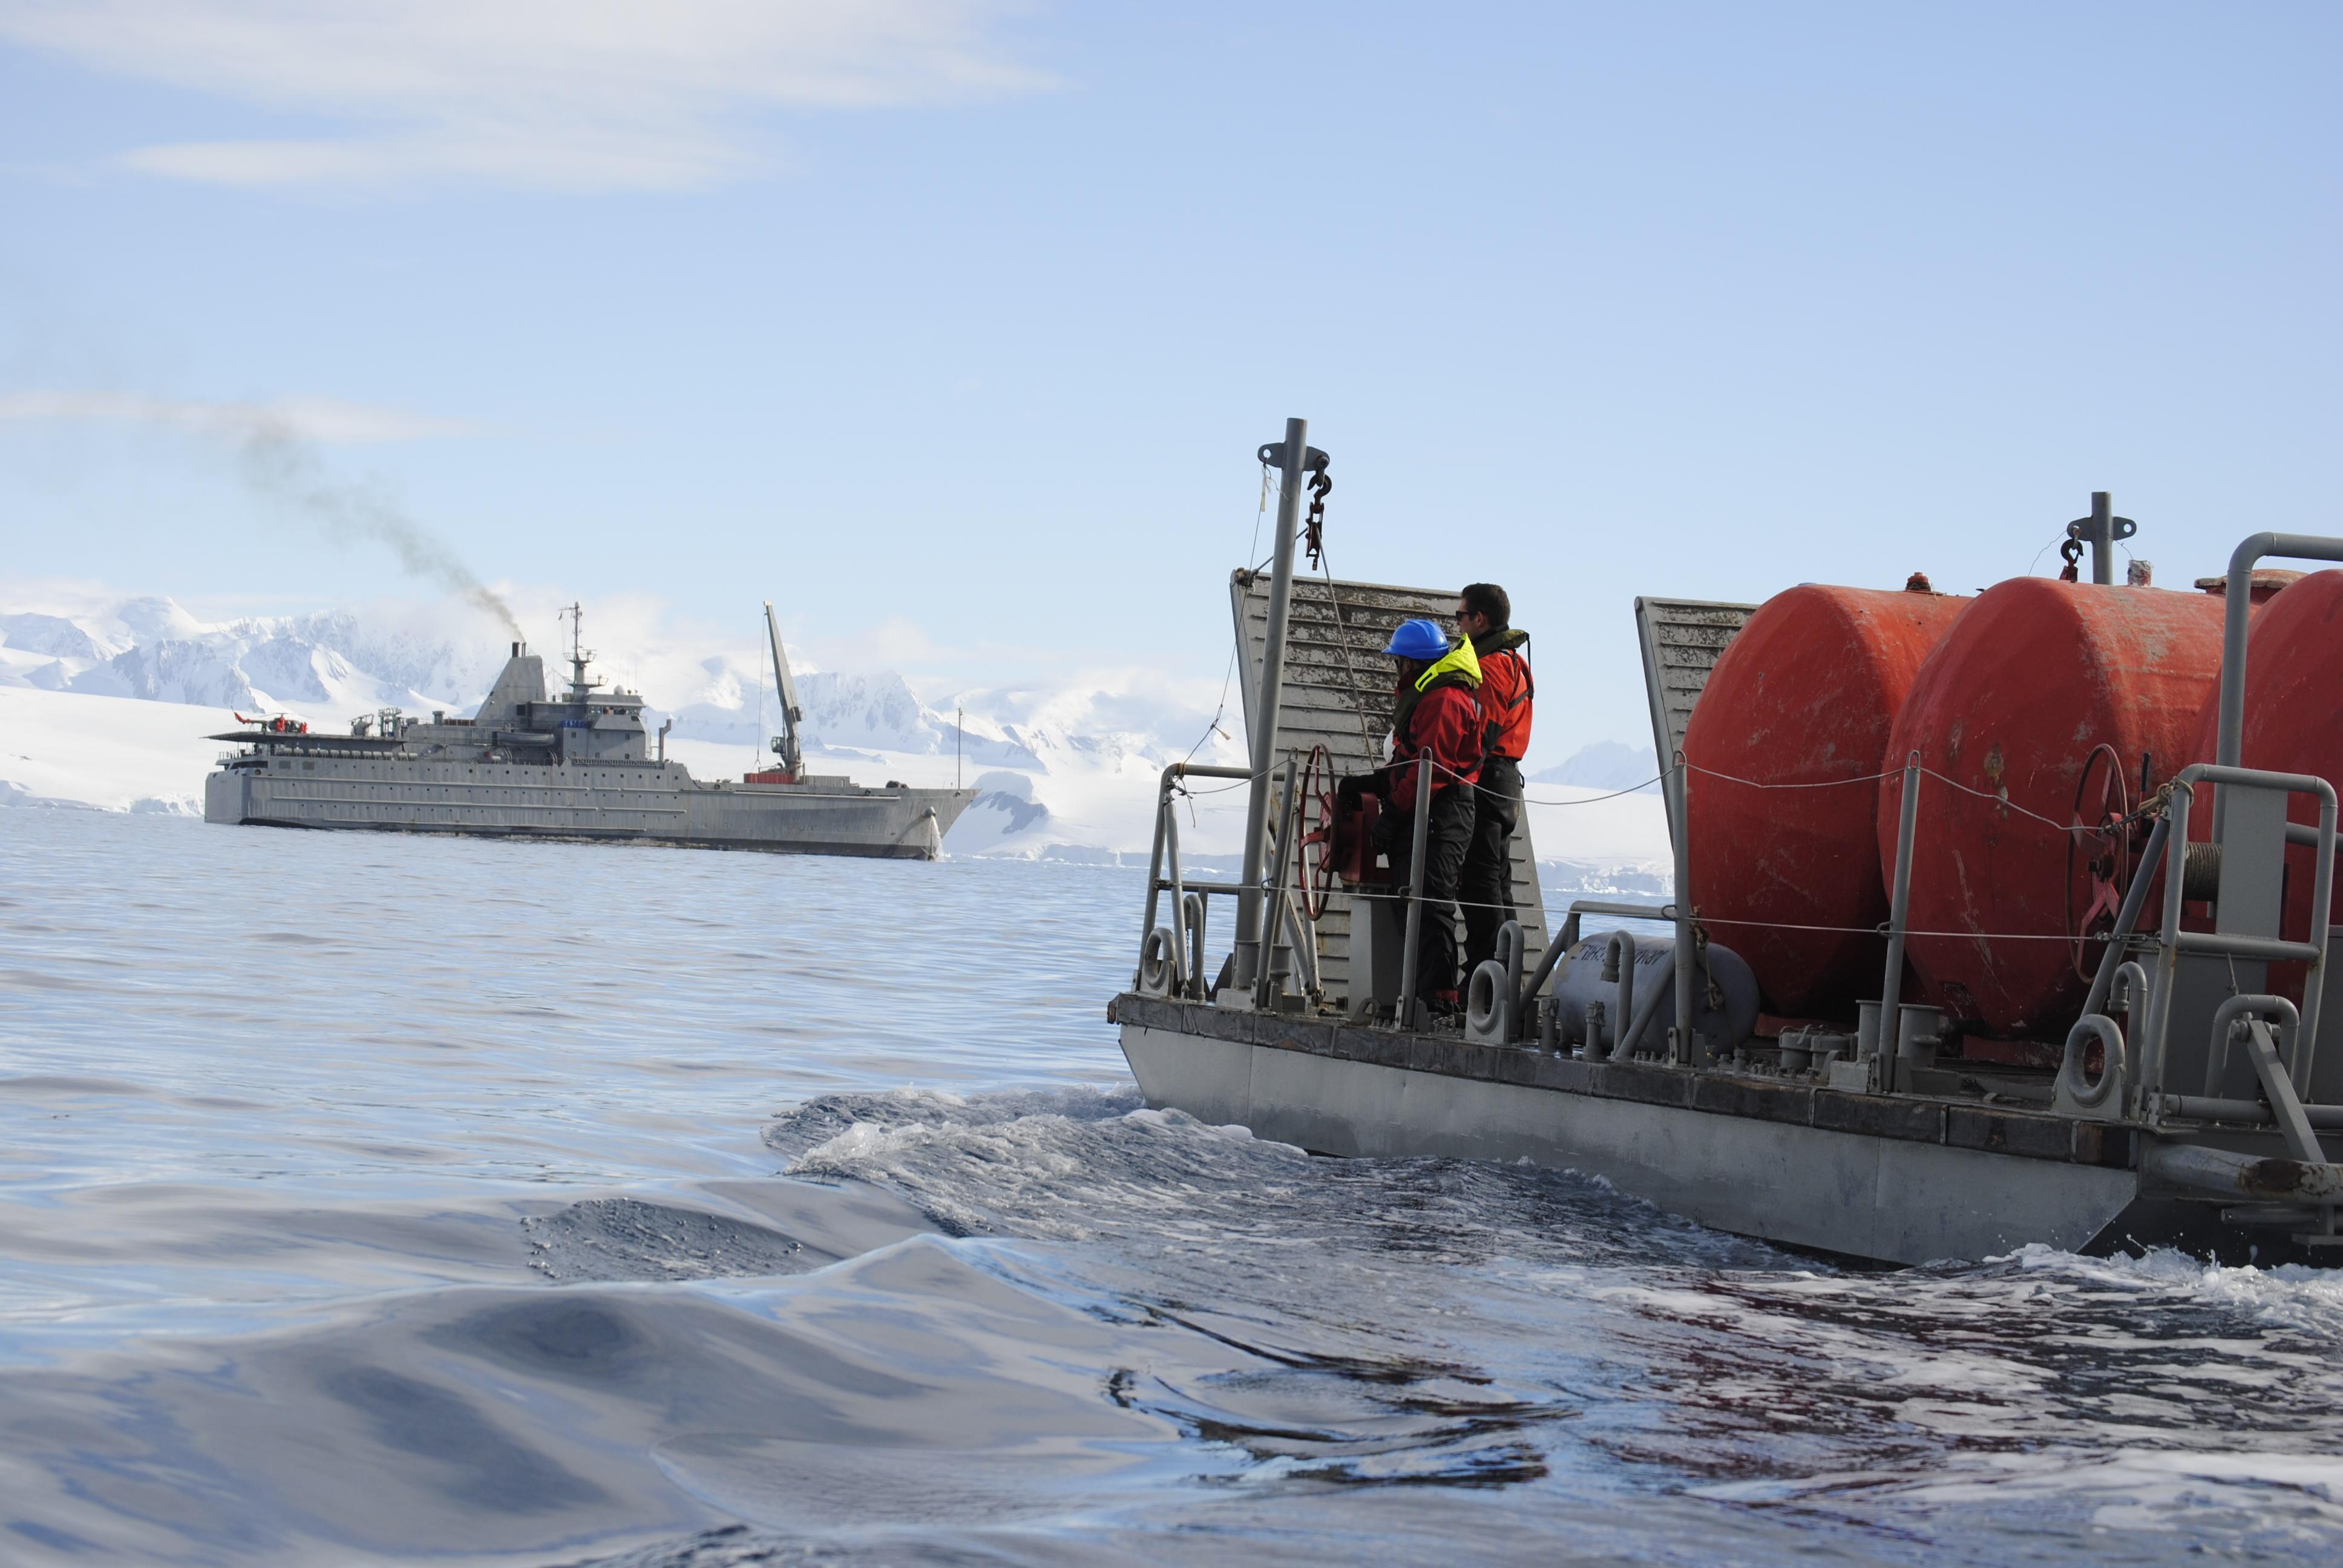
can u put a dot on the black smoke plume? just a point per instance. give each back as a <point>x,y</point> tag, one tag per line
<point>279,465</point>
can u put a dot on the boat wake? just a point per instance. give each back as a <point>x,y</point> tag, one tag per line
<point>1056,1326</point>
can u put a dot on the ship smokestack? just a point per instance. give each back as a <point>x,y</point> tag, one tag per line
<point>515,652</point>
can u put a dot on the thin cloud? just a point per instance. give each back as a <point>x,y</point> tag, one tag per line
<point>587,95</point>
<point>323,419</point>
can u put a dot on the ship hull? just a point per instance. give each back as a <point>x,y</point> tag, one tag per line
<point>1864,1176</point>
<point>627,803</point>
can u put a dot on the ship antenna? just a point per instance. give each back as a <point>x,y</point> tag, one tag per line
<point>579,654</point>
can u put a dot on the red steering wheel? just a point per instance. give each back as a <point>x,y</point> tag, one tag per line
<point>2101,830</point>
<point>1316,791</point>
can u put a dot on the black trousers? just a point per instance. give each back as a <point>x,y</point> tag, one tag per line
<point>1487,886</point>
<point>1448,838</point>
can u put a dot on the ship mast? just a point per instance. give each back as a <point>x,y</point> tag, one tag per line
<point>579,687</point>
<point>786,742</point>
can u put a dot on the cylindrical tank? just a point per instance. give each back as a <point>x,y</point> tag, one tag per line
<point>2034,677</point>
<point>2294,724</point>
<point>1805,695</point>
<point>1580,982</point>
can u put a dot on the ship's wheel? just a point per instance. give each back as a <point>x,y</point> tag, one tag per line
<point>1316,798</point>
<point>2101,832</point>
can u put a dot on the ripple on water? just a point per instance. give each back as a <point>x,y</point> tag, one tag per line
<point>442,1218</point>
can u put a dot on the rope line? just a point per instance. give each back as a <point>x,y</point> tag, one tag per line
<point>1701,919</point>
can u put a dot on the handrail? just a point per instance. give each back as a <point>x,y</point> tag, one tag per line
<point>1167,836</point>
<point>2175,941</point>
<point>2229,745</point>
<point>2275,1009</point>
<point>1274,931</point>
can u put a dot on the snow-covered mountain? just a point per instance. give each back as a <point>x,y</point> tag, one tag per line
<point>1606,765</point>
<point>1065,771</point>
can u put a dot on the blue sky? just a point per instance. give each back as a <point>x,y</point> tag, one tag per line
<point>952,327</point>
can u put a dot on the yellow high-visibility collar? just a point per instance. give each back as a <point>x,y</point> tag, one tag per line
<point>1461,660</point>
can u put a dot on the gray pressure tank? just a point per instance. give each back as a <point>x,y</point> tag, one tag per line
<point>1724,1007</point>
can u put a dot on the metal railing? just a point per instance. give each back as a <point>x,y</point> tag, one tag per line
<point>1176,955</point>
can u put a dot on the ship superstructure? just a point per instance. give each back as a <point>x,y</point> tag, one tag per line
<point>578,765</point>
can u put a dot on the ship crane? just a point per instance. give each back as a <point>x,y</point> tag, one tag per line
<point>785,744</point>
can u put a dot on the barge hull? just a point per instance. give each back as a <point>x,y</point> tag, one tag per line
<point>1836,1187</point>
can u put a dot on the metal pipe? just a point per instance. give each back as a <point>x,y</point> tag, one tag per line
<point>1155,861</point>
<point>2276,948</point>
<point>1177,886</point>
<point>1193,907</point>
<point>1269,973</point>
<point>1685,1048</point>
<point>2312,952</point>
<point>2229,745</point>
<point>2303,833</point>
<point>1291,457</point>
<point>2321,934</point>
<point>1661,974</point>
<point>2127,918</point>
<point>1619,964</point>
<point>2275,1009</point>
<point>1899,908</point>
<point>1302,934</point>
<point>2246,1113</point>
<point>1407,976</point>
<point>1565,937</point>
<point>1167,843</point>
<point>2103,536</point>
<point>2167,955</point>
<point>2221,1170</point>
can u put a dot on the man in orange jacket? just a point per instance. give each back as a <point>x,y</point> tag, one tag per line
<point>1439,717</point>
<point>1484,615</point>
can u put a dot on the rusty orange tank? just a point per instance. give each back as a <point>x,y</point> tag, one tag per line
<point>1806,694</point>
<point>2294,724</point>
<point>2038,681</point>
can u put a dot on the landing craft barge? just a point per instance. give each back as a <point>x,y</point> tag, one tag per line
<point>576,767</point>
<point>2032,957</point>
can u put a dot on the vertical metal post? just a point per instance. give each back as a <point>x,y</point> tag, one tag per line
<point>1290,458</point>
<point>1155,866</point>
<point>2150,1056</point>
<point>1407,976</point>
<point>1196,981</point>
<point>1685,1048</point>
<point>1899,915</point>
<point>2103,536</point>
<point>1274,925</point>
<point>2229,739</point>
<point>2314,980</point>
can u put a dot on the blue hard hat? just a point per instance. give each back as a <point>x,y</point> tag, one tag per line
<point>1419,639</point>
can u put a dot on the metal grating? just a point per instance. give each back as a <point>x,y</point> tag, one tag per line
<point>1337,692</point>
<point>1681,640</point>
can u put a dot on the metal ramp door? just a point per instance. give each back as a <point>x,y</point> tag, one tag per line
<point>1336,692</point>
<point>1682,640</point>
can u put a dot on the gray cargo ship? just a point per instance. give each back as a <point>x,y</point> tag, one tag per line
<point>579,765</point>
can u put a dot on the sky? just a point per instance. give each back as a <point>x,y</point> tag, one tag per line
<point>952,327</point>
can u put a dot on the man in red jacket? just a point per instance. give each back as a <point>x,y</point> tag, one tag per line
<point>1484,615</point>
<point>1438,716</point>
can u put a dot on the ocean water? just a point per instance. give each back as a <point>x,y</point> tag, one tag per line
<point>375,1200</point>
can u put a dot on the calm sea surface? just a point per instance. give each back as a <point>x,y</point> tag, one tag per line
<point>367,1198</point>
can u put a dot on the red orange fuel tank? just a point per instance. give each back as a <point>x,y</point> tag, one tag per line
<point>2034,677</point>
<point>2294,724</point>
<point>1806,694</point>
